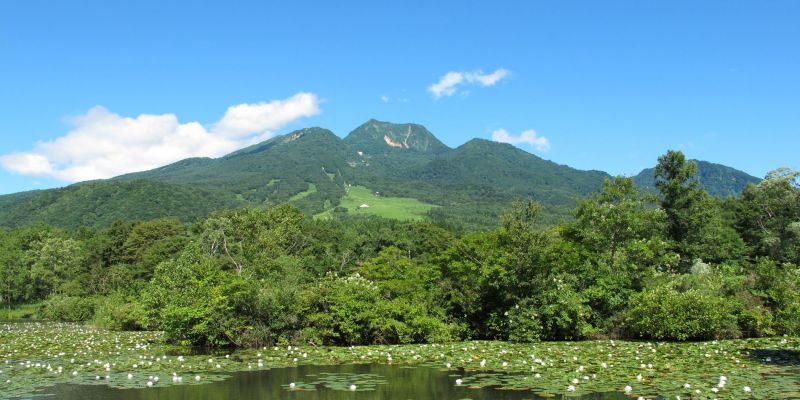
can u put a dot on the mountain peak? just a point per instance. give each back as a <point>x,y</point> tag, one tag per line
<point>380,137</point>
<point>306,133</point>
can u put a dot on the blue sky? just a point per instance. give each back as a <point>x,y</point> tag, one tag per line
<point>604,85</point>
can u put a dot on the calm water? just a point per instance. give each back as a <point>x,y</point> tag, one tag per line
<point>401,384</point>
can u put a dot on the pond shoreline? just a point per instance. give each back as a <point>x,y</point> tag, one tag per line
<point>37,354</point>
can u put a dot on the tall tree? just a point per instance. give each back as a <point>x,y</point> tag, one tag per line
<point>680,190</point>
<point>694,220</point>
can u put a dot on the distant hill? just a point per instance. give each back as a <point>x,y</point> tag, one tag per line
<point>403,169</point>
<point>717,179</point>
<point>101,203</point>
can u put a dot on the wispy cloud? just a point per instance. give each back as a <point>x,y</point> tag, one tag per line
<point>448,84</point>
<point>529,136</point>
<point>102,144</point>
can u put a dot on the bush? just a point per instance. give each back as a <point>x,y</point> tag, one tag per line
<point>195,302</point>
<point>756,322</point>
<point>342,309</point>
<point>666,314</point>
<point>116,312</point>
<point>564,314</point>
<point>523,323</point>
<point>350,310</point>
<point>68,308</point>
<point>560,313</point>
<point>787,319</point>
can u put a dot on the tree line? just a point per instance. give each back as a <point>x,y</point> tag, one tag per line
<point>677,265</point>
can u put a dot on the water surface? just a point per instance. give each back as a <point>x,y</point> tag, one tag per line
<point>401,383</point>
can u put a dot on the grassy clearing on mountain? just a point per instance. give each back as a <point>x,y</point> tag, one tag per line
<point>312,188</point>
<point>388,207</point>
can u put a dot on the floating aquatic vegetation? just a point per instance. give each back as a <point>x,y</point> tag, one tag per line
<point>340,381</point>
<point>36,355</point>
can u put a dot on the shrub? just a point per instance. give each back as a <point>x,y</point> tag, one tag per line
<point>559,313</point>
<point>193,301</point>
<point>68,308</point>
<point>523,323</point>
<point>787,318</point>
<point>350,310</point>
<point>564,314</point>
<point>116,312</point>
<point>666,314</point>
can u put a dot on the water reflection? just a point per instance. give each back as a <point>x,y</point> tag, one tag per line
<point>403,384</point>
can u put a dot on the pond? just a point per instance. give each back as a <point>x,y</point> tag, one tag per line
<point>80,362</point>
<point>314,382</point>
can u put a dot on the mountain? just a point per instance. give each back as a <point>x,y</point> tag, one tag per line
<point>509,172</point>
<point>717,179</point>
<point>383,149</point>
<point>101,203</point>
<point>381,138</point>
<point>269,172</point>
<point>388,165</point>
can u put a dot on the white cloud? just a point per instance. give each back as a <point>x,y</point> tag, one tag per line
<point>448,84</point>
<point>385,99</point>
<point>246,119</point>
<point>529,136</point>
<point>102,144</point>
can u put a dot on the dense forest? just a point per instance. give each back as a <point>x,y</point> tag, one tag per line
<point>677,264</point>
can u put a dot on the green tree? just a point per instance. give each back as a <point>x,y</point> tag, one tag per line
<point>57,266</point>
<point>194,301</point>
<point>769,216</point>
<point>617,218</point>
<point>680,190</point>
<point>150,242</point>
<point>693,218</point>
<point>14,277</point>
<point>247,237</point>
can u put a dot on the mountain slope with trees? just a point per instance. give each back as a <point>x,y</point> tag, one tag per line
<point>311,168</point>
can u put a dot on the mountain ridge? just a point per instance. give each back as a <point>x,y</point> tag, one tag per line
<point>312,168</point>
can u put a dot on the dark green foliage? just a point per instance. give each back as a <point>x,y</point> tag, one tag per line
<point>68,308</point>
<point>99,204</point>
<point>769,216</point>
<point>693,219</point>
<point>193,301</point>
<point>690,268</point>
<point>666,314</point>
<point>118,311</point>
<point>778,285</point>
